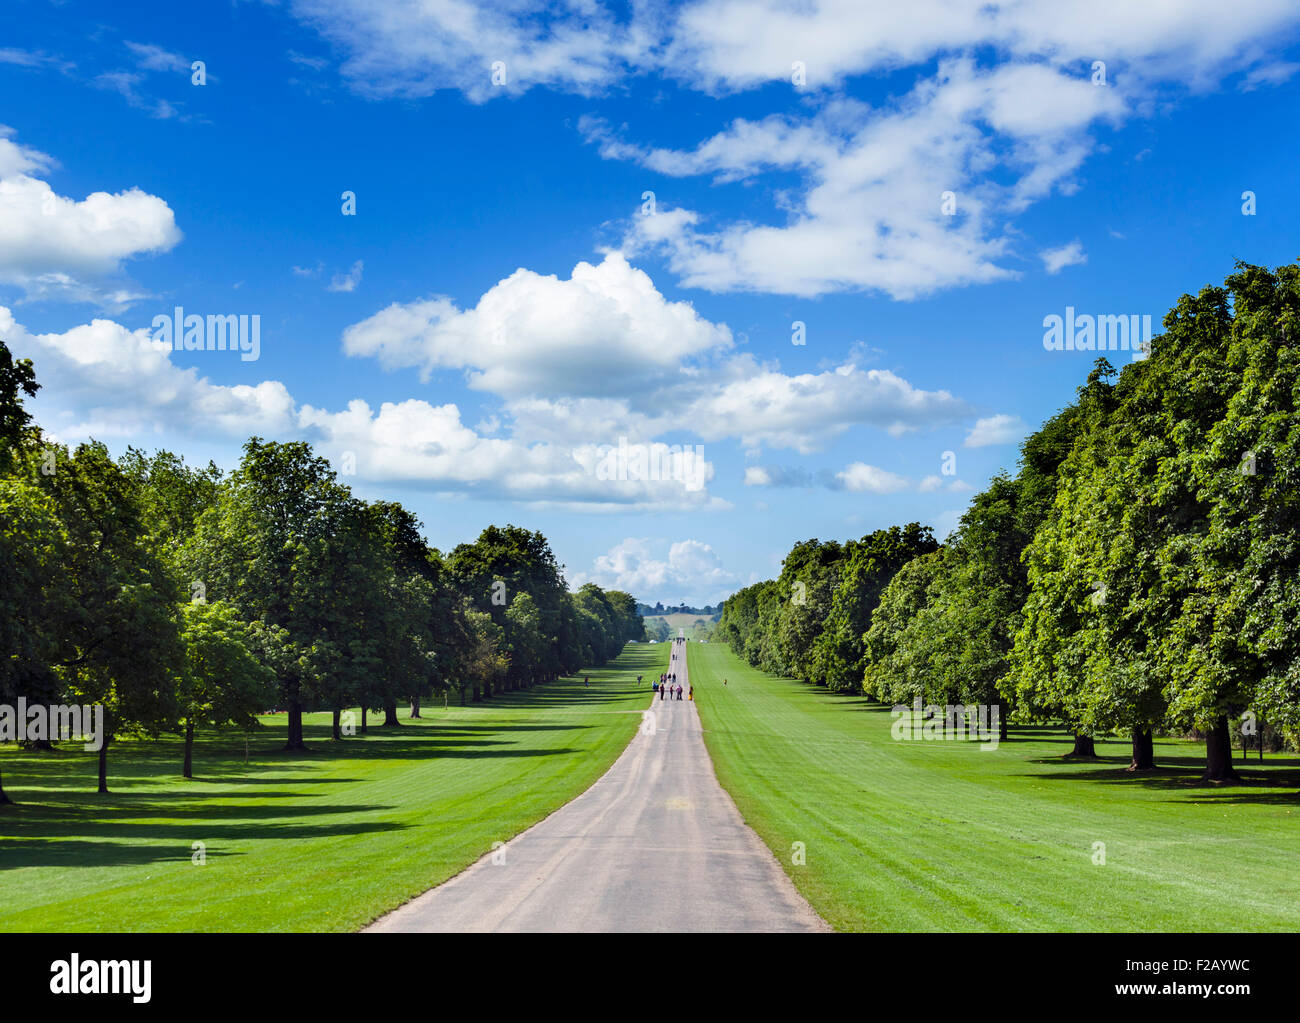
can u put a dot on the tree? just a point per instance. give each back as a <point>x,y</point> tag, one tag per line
<point>898,648</point>
<point>261,548</point>
<point>17,377</point>
<point>809,576</point>
<point>869,565</point>
<point>504,562</point>
<point>221,681</point>
<point>114,615</point>
<point>484,662</point>
<point>1164,585</point>
<point>32,585</point>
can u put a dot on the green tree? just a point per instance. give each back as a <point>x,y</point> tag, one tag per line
<point>221,680</point>
<point>868,566</point>
<point>113,616</point>
<point>265,548</point>
<point>17,377</point>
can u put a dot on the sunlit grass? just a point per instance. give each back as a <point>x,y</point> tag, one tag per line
<point>937,835</point>
<point>322,841</point>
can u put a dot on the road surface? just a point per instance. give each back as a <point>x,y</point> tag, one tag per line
<point>655,845</point>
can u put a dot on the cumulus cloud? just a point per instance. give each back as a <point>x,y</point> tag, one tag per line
<point>104,380</point>
<point>689,569</point>
<point>107,381</point>
<point>604,354</point>
<point>859,477</point>
<point>999,429</point>
<point>53,246</point>
<point>605,330</point>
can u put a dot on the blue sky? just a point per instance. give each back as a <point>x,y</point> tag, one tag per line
<point>504,305</point>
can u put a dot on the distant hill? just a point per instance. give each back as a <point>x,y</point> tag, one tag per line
<point>680,620</point>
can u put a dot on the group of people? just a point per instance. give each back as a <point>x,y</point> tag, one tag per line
<point>667,687</point>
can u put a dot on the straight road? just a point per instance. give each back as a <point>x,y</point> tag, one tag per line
<point>655,845</point>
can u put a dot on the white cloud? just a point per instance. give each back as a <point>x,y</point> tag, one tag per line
<point>604,355</point>
<point>871,212</point>
<point>415,49</point>
<point>859,477</point>
<point>999,429</point>
<point>106,381</point>
<point>155,58</point>
<point>606,330</point>
<point>343,282</point>
<point>1271,73</point>
<point>763,406</point>
<point>1057,259</point>
<point>690,570</point>
<point>999,113</point>
<point>53,246</point>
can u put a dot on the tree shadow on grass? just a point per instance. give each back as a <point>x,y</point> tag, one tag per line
<point>135,764</point>
<point>64,852</point>
<point>52,847</point>
<point>1184,774</point>
<point>30,834</point>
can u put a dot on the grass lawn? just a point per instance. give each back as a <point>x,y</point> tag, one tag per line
<point>324,841</point>
<point>935,835</point>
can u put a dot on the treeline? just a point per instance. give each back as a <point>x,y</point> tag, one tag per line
<point>177,597</point>
<point>707,611</point>
<point>1139,574</point>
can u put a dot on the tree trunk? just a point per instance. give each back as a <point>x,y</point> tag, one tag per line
<point>415,705</point>
<point>295,743</point>
<point>390,715</point>
<point>188,769</point>
<point>4,800</point>
<point>365,715</point>
<point>1002,721</point>
<point>337,731</point>
<point>1144,750</point>
<point>1218,753</point>
<point>1083,746</point>
<point>103,767</point>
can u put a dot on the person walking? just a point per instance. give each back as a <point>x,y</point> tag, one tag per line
<point>661,692</point>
